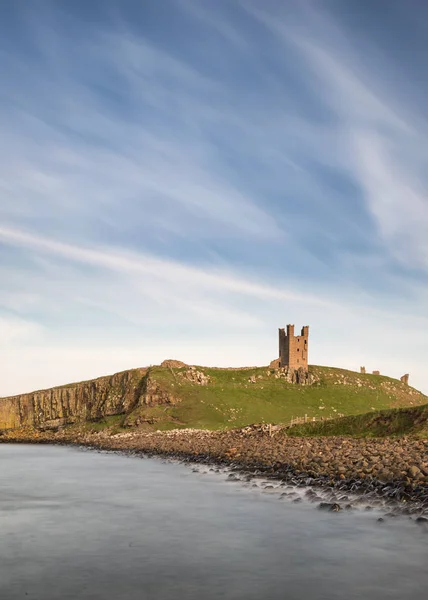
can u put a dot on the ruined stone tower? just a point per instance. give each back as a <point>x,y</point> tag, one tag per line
<point>293,350</point>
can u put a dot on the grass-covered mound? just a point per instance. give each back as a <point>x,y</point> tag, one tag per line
<point>175,395</point>
<point>238,397</point>
<point>396,422</point>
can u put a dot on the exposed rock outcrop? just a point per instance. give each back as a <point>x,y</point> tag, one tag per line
<point>299,376</point>
<point>153,393</point>
<point>195,376</point>
<point>173,364</point>
<point>86,401</point>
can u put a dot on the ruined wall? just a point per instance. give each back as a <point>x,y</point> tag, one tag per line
<point>293,350</point>
<point>83,401</point>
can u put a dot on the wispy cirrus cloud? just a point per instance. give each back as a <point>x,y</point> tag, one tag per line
<point>381,145</point>
<point>202,178</point>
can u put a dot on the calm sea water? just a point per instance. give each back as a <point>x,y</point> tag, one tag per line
<point>97,526</point>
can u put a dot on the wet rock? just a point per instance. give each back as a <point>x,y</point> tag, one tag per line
<point>421,520</point>
<point>329,506</point>
<point>294,463</point>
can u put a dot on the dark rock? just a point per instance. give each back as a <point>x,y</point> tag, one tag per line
<point>329,506</point>
<point>421,520</point>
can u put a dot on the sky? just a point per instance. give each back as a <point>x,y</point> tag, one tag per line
<point>179,179</point>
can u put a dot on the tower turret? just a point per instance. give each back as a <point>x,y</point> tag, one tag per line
<point>293,350</point>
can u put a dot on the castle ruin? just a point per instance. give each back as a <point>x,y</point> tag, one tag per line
<point>293,350</point>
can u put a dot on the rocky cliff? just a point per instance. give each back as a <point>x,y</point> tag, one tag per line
<point>177,395</point>
<point>85,401</point>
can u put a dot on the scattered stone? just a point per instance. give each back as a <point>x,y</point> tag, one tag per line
<point>195,376</point>
<point>392,472</point>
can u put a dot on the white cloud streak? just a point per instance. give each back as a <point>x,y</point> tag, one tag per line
<point>376,137</point>
<point>107,198</point>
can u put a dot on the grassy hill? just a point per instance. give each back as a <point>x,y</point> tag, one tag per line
<point>174,395</point>
<point>396,422</point>
<point>238,397</point>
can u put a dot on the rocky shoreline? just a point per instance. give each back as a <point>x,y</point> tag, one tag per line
<point>338,472</point>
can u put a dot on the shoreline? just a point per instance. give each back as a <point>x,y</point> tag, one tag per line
<point>333,468</point>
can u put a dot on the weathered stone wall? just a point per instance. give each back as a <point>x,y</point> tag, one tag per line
<point>293,350</point>
<point>83,401</point>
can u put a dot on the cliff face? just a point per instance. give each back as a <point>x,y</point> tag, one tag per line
<point>174,394</point>
<point>85,401</point>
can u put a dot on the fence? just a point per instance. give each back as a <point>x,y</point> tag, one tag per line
<point>306,419</point>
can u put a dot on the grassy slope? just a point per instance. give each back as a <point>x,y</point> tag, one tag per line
<point>396,422</point>
<point>230,400</point>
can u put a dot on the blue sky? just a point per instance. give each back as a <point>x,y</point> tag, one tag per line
<point>178,179</point>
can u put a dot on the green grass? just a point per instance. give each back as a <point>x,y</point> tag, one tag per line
<point>112,422</point>
<point>230,400</point>
<point>396,422</point>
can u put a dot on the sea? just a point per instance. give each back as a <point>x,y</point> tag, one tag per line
<point>80,524</point>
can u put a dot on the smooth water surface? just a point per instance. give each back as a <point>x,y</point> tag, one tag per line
<point>84,525</point>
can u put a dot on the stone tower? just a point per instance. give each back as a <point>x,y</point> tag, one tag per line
<point>293,350</point>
